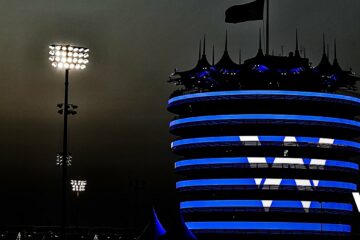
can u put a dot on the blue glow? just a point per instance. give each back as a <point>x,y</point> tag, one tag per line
<point>265,117</point>
<point>263,139</point>
<point>259,204</point>
<point>297,70</point>
<point>264,182</point>
<point>282,226</point>
<point>328,96</point>
<point>269,160</point>
<point>159,229</point>
<point>261,68</point>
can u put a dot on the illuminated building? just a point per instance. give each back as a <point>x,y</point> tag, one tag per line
<point>267,147</point>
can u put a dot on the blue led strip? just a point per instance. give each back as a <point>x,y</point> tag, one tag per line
<point>275,226</point>
<point>265,139</point>
<point>328,96</point>
<point>265,160</point>
<point>261,182</point>
<point>244,117</point>
<point>261,204</point>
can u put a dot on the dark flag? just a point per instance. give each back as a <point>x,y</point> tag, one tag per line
<point>245,12</point>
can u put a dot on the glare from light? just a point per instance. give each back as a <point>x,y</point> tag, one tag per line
<point>68,57</point>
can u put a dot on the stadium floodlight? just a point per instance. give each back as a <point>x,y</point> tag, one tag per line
<point>78,186</point>
<point>68,57</point>
<point>59,159</point>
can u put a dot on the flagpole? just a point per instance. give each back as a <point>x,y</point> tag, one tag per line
<point>267,27</point>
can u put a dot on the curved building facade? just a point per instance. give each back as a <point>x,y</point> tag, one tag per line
<point>269,147</point>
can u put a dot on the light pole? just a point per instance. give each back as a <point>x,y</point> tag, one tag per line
<point>78,186</point>
<point>67,57</point>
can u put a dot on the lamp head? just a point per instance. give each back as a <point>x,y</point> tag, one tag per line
<point>69,57</point>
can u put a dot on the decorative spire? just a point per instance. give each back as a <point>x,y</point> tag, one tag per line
<point>336,65</point>
<point>297,40</point>
<point>297,52</point>
<point>260,52</point>
<point>226,41</point>
<point>324,53</point>
<point>204,46</point>
<point>328,51</point>
<point>213,55</point>
<point>324,65</point>
<point>200,50</point>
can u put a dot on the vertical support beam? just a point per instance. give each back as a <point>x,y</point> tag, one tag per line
<point>65,155</point>
<point>267,27</point>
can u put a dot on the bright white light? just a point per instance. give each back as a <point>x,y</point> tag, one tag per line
<point>356,196</point>
<point>70,57</point>
<point>78,185</point>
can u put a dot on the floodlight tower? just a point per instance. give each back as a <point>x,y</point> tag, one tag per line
<point>67,57</point>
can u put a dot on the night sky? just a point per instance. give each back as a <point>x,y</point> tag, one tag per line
<point>120,134</point>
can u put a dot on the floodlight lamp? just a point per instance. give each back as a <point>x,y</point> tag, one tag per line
<point>78,185</point>
<point>68,57</point>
